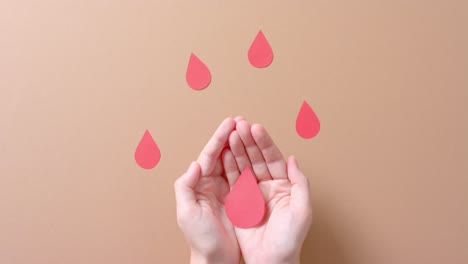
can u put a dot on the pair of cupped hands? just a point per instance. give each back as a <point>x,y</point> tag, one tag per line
<point>201,193</point>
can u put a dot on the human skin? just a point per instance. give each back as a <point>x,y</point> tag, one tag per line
<point>202,190</point>
<point>200,195</point>
<point>279,237</point>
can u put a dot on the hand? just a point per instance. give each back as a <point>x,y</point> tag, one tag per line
<point>200,195</point>
<point>288,215</point>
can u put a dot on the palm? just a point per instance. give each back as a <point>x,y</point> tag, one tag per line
<point>200,195</point>
<point>275,237</point>
<point>268,238</point>
<point>210,193</point>
<point>202,190</point>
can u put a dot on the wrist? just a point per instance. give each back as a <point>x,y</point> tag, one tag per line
<point>284,261</point>
<point>275,259</point>
<point>293,259</point>
<point>198,258</point>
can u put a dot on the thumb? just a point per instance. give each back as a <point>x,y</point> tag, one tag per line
<point>300,200</point>
<point>184,186</point>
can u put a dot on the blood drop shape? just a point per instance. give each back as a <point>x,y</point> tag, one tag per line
<point>307,122</point>
<point>198,75</point>
<point>147,154</point>
<point>260,52</point>
<point>245,205</point>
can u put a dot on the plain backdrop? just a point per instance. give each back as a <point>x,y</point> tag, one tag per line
<point>80,82</point>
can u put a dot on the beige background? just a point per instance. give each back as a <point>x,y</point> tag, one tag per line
<point>80,81</point>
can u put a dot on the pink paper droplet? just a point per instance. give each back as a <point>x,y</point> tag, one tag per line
<point>198,75</point>
<point>307,122</point>
<point>147,154</point>
<point>260,52</point>
<point>245,205</point>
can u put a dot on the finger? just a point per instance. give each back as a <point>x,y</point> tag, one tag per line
<point>212,151</point>
<point>238,118</point>
<point>218,170</point>
<point>272,155</point>
<point>184,186</point>
<point>300,199</point>
<point>255,155</point>
<point>238,150</point>
<point>230,167</point>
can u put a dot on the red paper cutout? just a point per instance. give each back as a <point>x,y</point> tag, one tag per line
<point>147,153</point>
<point>307,122</point>
<point>198,75</point>
<point>260,52</point>
<point>245,205</point>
